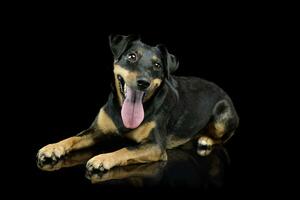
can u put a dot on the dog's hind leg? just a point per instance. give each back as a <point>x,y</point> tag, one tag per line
<point>220,128</point>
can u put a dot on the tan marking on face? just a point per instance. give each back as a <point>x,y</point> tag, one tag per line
<point>154,58</point>
<point>105,123</point>
<point>128,76</point>
<point>141,133</point>
<point>155,83</point>
<point>173,141</point>
<point>117,85</point>
<point>130,79</point>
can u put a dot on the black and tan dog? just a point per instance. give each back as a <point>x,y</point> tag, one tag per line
<point>153,108</point>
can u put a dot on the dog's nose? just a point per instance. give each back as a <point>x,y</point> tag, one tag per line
<point>143,84</point>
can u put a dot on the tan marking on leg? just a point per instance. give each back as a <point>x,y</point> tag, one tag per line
<point>105,123</point>
<point>65,146</point>
<point>141,133</point>
<point>77,142</point>
<point>143,154</point>
<point>205,141</point>
<point>155,83</point>
<point>219,129</point>
<point>122,157</point>
<point>216,129</point>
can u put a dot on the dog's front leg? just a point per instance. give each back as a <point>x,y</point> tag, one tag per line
<point>102,126</point>
<point>56,150</point>
<point>143,153</point>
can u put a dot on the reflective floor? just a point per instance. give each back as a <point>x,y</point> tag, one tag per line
<point>184,168</point>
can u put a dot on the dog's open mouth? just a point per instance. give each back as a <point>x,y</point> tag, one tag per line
<point>122,86</point>
<point>132,108</point>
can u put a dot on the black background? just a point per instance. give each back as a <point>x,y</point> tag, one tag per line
<point>63,70</point>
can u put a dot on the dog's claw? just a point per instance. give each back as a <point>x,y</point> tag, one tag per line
<point>89,167</point>
<point>41,158</point>
<point>54,158</point>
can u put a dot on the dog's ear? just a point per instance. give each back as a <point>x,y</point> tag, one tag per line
<point>119,43</point>
<point>169,60</point>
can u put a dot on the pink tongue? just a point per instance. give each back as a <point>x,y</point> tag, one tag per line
<point>132,110</point>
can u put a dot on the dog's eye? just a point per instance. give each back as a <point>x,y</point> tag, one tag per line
<point>132,57</point>
<point>157,66</point>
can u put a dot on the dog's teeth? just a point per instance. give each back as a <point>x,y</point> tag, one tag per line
<point>125,89</point>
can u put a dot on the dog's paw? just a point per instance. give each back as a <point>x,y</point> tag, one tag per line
<point>205,146</point>
<point>50,153</point>
<point>101,162</point>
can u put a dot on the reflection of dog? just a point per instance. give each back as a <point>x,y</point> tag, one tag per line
<point>153,108</point>
<point>198,171</point>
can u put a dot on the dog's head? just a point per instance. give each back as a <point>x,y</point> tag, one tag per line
<point>139,70</point>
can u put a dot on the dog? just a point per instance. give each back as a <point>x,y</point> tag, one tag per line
<point>153,108</point>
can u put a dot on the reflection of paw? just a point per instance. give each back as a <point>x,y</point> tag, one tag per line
<point>50,153</point>
<point>101,162</point>
<point>205,145</point>
<point>51,165</point>
<point>117,173</point>
<point>139,171</point>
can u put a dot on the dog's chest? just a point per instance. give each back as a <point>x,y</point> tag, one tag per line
<point>142,133</point>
